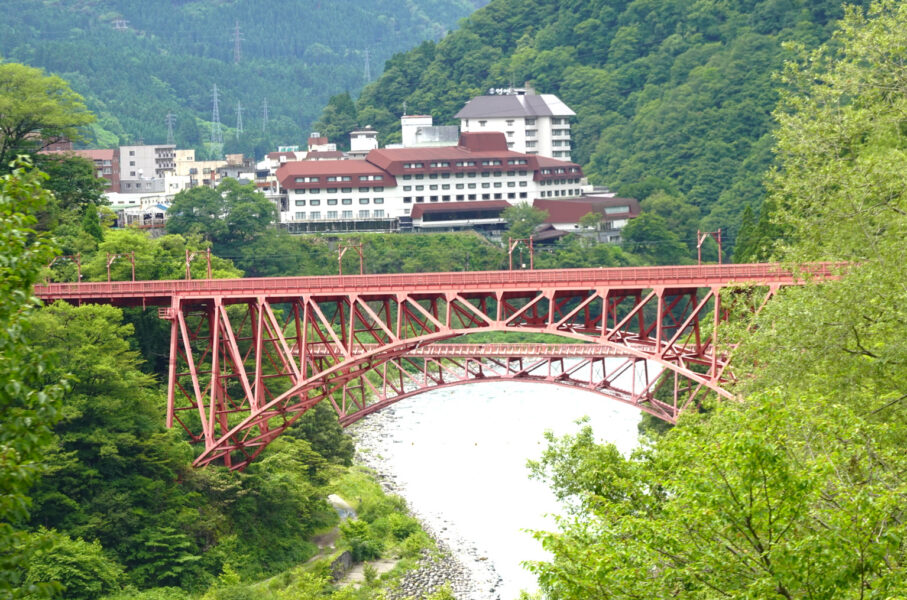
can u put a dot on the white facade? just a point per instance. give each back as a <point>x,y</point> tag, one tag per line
<point>137,162</point>
<point>533,124</point>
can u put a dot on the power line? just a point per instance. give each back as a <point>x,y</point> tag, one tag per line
<point>170,119</point>
<point>237,43</point>
<point>264,115</point>
<point>217,137</point>
<point>239,129</point>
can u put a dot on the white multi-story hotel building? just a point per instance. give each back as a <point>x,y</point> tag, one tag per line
<point>534,124</point>
<point>479,174</point>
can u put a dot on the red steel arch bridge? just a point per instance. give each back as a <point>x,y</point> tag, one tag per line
<point>248,357</point>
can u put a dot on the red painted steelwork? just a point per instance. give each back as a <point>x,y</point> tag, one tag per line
<point>249,356</point>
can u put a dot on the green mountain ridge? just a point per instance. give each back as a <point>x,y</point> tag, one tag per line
<point>670,95</point>
<point>166,57</point>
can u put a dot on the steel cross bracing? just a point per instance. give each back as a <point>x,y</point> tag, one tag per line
<point>248,357</point>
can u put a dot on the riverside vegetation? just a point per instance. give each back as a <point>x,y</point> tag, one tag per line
<point>796,492</point>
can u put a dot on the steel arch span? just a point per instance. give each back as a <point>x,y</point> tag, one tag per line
<point>248,357</point>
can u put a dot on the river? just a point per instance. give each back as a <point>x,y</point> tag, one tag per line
<point>458,456</point>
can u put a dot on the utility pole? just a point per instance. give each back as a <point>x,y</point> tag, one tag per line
<point>368,69</point>
<point>170,119</point>
<point>264,115</point>
<point>237,44</point>
<point>217,137</point>
<point>239,129</point>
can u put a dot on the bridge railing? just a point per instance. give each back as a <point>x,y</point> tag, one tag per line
<point>643,276</point>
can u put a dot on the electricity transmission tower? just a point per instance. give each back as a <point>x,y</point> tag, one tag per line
<point>264,115</point>
<point>237,43</point>
<point>239,129</point>
<point>217,137</point>
<point>120,24</point>
<point>368,69</point>
<point>170,119</point>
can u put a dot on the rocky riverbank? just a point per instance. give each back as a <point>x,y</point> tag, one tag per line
<point>459,564</point>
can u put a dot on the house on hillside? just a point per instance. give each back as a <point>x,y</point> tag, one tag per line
<point>532,123</point>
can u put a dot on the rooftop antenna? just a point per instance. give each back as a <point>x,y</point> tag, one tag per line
<point>404,108</point>
<point>170,119</point>
<point>237,43</point>
<point>239,129</point>
<point>216,136</point>
<point>264,115</point>
<point>368,70</point>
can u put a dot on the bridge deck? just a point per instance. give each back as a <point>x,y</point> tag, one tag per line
<point>160,293</point>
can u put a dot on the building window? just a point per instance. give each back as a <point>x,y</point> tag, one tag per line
<point>332,201</point>
<point>509,122</point>
<point>420,198</point>
<point>378,201</point>
<point>379,213</point>
<point>378,189</point>
<point>407,177</point>
<point>407,199</point>
<point>132,153</point>
<point>482,123</point>
<point>314,202</point>
<point>445,186</point>
<point>472,196</point>
<point>131,163</point>
<point>348,190</point>
<point>531,133</point>
<point>419,188</point>
<point>300,203</point>
<point>445,198</point>
<point>363,200</point>
<point>497,196</point>
<point>332,190</point>
<point>459,186</point>
<point>530,121</point>
<point>332,214</point>
<point>511,195</point>
<point>363,214</point>
<point>346,201</point>
<point>486,185</point>
<point>530,144</point>
<point>347,214</point>
<point>486,196</point>
<point>460,197</point>
<point>472,186</point>
<point>433,198</point>
<point>363,189</point>
<point>522,194</point>
<point>300,216</point>
<point>316,214</point>
<point>407,188</point>
<point>433,187</point>
<point>497,184</point>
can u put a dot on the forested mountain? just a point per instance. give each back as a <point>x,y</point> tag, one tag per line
<point>669,94</point>
<point>135,61</point>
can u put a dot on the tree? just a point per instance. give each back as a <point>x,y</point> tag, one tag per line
<point>798,491</point>
<point>648,234</point>
<point>593,220</point>
<point>82,569</point>
<point>248,212</point>
<point>29,404</point>
<point>36,109</point>
<point>522,219</point>
<point>198,210</point>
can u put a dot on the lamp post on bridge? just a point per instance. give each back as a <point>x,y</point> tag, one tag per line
<point>76,258</point>
<point>190,256</point>
<point>341,250</point>
<point>512,243</point>
<point>113,257</point>
<point>702,236</point>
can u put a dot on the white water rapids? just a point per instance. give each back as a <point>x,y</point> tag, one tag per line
<point>458,456</point>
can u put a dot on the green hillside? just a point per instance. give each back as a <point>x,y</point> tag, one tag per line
<point>669,94</point>
<point>166,57</point>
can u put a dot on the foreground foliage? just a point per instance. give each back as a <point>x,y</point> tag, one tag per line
<point>29,404</point>
<point>799,491</point>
